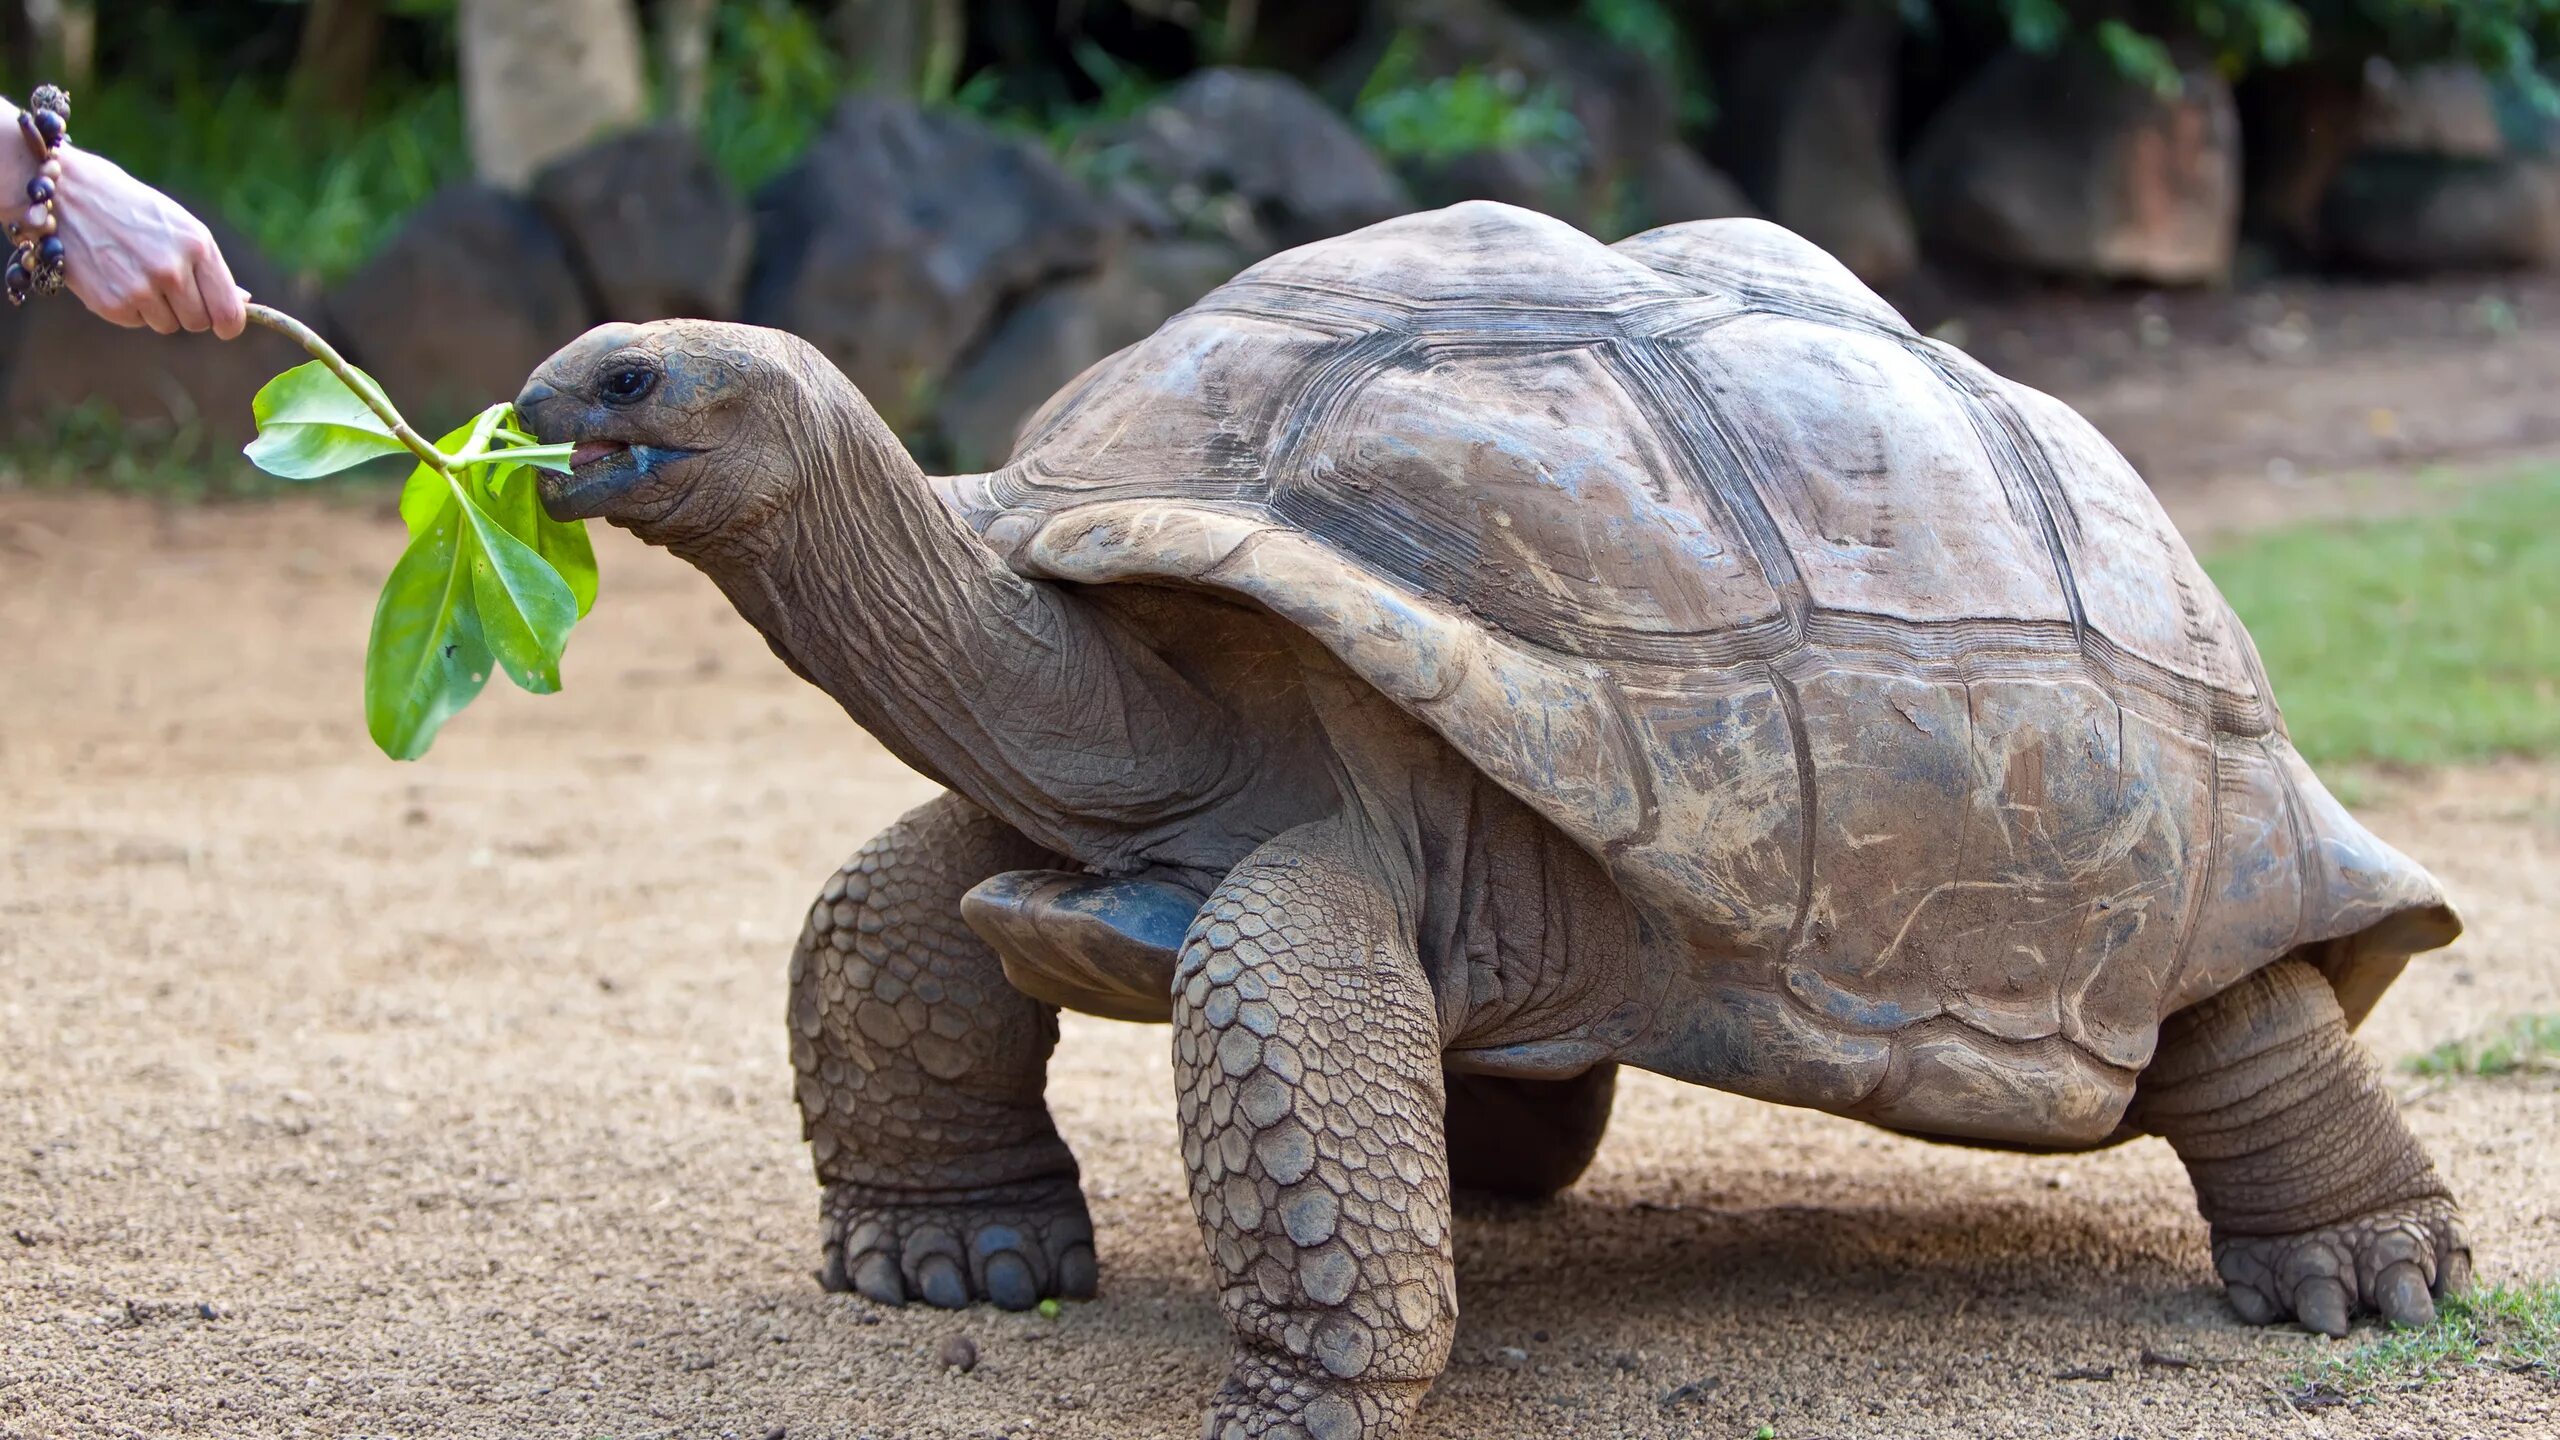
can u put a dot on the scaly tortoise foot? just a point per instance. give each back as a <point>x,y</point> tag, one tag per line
<point>1013,1246</point>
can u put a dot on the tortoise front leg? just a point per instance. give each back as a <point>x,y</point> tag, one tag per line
<point>2322,1203</point>
<point>921,1078</point>
<point>1307,1051</point>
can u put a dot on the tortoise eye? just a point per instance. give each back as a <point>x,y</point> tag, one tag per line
<point>629,384</point>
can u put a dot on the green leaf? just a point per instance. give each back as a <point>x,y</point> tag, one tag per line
<point>310,424</point>
<point>423,496</point>
<point>561,542</point>
<point>564,543</point>
<point>526,608</point>
<point>427,657</point>
<point>550,457</point>
<point>2141,58</point>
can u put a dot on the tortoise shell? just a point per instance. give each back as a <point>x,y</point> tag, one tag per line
<point>1881,685</point>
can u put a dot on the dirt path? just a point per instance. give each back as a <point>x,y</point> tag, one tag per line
<point>348,1098</point>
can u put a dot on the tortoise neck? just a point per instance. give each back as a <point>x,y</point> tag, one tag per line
<point>1021,698</point>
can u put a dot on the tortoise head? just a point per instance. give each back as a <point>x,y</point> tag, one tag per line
<point>682,427</point>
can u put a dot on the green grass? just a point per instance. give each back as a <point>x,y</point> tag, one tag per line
<point>2511,1327</point>
<point>2423,639</point>
<point>2525,1042</point>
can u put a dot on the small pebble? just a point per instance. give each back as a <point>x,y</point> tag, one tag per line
<point>1541,1336</point>
<point>960,1353</point>
<point>1510,1357</point>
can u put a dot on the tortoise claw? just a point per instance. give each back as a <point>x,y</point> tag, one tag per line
<point>949,1250</point>
<point>2391,1262</point>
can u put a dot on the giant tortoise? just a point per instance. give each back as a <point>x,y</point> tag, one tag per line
<point>1458,658</point>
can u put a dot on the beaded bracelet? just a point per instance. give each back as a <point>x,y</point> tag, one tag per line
<point>36,259</point>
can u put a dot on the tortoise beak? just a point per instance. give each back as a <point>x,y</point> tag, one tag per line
<point>600,470</point>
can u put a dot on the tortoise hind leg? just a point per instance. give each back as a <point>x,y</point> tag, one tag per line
<point>2321,1201</point>
<point>1526,1139</point>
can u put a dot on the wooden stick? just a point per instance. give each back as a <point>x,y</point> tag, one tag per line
<point>355,380</point>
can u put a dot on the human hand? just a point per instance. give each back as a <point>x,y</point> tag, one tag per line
<point>136,257</point>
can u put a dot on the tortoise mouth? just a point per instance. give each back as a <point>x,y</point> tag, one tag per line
<point>600,473</point>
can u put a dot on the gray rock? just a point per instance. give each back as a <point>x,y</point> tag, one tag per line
<point>2066,167</point>
<point>470,295</point>
<point>904,233</point>
<point>1054,336</point>
<point>1252,157</point>
<point>1807,105</point>
<point>60,357</point>
<point>2413,214</point>
<point>654,228</point>
<point>2429,110</point>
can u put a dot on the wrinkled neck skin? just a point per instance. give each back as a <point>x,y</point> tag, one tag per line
<point>1033,705</point>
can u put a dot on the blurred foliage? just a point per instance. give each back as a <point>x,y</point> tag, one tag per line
<point>192,99</point>
<point>1649,28</point>
<point>774,80</point>
<point>314,197</point>
<point>2417,640</point>
<point>192,94</point>
<point>1060,118</point>
<point>2506,38</point>
<point>1410,116</point>
<point>91,447</point>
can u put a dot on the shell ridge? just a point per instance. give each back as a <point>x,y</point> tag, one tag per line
<point>2184,956</point>
<point>2310,883</point>
<point>1639,773</point>
<point>1808,802</point>
<point>1646,374</point>
<point>1325,388</point>
<point>1998,426</point>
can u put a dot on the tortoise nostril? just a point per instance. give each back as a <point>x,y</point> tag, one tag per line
<point>529,403</point>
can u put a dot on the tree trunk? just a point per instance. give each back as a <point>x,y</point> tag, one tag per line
<point>1235,38</point>
<point>334,61</point>
<point>903,47</point>
<point>542,77</point>
<point>684,55</point>
<point>66,36</point>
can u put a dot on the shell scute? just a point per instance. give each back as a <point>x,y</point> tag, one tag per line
<point>1863,459</point>
<point>1536,504</point>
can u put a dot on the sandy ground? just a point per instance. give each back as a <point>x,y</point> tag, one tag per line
<point>346,1098</point>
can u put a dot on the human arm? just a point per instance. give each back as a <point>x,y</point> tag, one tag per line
<point>134,256</point>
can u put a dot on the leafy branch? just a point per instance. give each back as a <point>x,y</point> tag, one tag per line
<point>488,579</point>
